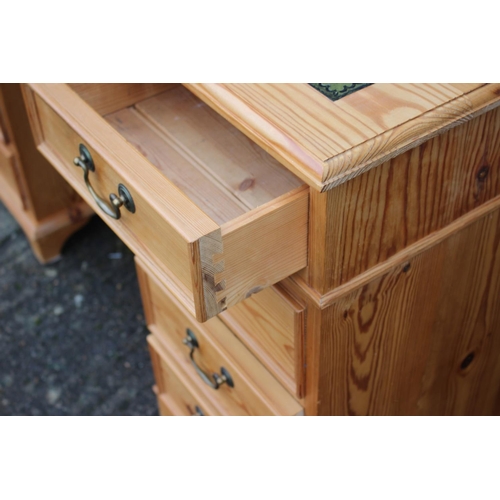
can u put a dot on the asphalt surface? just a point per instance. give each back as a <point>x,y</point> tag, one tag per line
<point>72,333</point>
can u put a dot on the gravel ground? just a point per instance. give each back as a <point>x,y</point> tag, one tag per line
<point>72,333</point>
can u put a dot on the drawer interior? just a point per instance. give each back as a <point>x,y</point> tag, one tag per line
<point>216,216</point>
<point>215,165</point>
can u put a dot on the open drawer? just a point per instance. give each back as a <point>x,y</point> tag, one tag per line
<point>214,215</point>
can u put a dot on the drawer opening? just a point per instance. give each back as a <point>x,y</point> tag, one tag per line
<point>216,215</point>
<point>214,164</point>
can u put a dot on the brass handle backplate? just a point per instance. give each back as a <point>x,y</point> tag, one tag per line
<point>218,379</point>
<point>124,198</point>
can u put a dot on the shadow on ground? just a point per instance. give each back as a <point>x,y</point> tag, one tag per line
<point>72,333</point>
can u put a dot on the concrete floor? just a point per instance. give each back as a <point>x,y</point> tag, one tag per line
<point>72,333</point>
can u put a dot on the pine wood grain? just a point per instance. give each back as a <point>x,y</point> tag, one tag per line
<point>326,143</point>
<point>273,240</point>
<point>45,206</point>
<point>42,190</point>
<point>164,407</point>
<point>255,392</point>
<point>165,224</point>
<point>217,148</point>
<point>146,231</point>
<point>271,324</point>
<point>65,105</point>
<point>46,237</point>
<point>423,338</point>
<point>372,217</point>
<point>109,97</point>
<point>410,134</point>
<point>218,265</point>
<point>169,407</point>
<point>195,184</point>
<point>4,135</point>
<point>7,168</point>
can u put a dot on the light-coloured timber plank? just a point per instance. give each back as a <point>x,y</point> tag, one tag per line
<point>42,191</point>
<point>166,407</point>
<point>273,239</point>
<point>162,226</point>
<point>423,338</point>
<point>44,205</point>
<point>326,143</point>
<point>184,296</point>
<point>464,87</point>
<point>297,287</point>
<point>146,232</point>
<point>435,238</point>
<point>184,217</point>
<point>268,135</point>
<point>204,273</point>
<point>270,324</point>
<point>5,131</point>
<point>169,406</point>
<point>329,128</point>
<point>47,236</point>
<point>8,168</point>
<point>262,247</point>
<point>255,392</point>
<point>156,241</point>
<point>218,148</point>
<point>379,213</point>
<point>109,97</point>
<point>197,186</point>
<point>410,134</point>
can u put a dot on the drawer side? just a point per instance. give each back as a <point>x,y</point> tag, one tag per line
<point>271,325</point>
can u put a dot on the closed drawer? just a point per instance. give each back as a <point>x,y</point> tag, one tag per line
<point>215,215</point>
<point>255,391</point>
<point>168,408</point>
<point>176,397</point>
<point>271,324</point>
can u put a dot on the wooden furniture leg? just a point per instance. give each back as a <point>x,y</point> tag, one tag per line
<point>45,206</point>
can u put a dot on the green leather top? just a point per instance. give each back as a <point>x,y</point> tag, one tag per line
<point>335,91</point>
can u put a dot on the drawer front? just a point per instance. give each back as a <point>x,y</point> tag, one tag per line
<point>168,408</point>
<point>271,325</point>
<point>255,391</point>
<point>176,397</point>
<point>210,267</point>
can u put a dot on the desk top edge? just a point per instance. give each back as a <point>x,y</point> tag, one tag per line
<point>326,143</point>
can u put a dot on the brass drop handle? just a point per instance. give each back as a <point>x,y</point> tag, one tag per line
<point>124,198</point>
<point>219,379</point>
